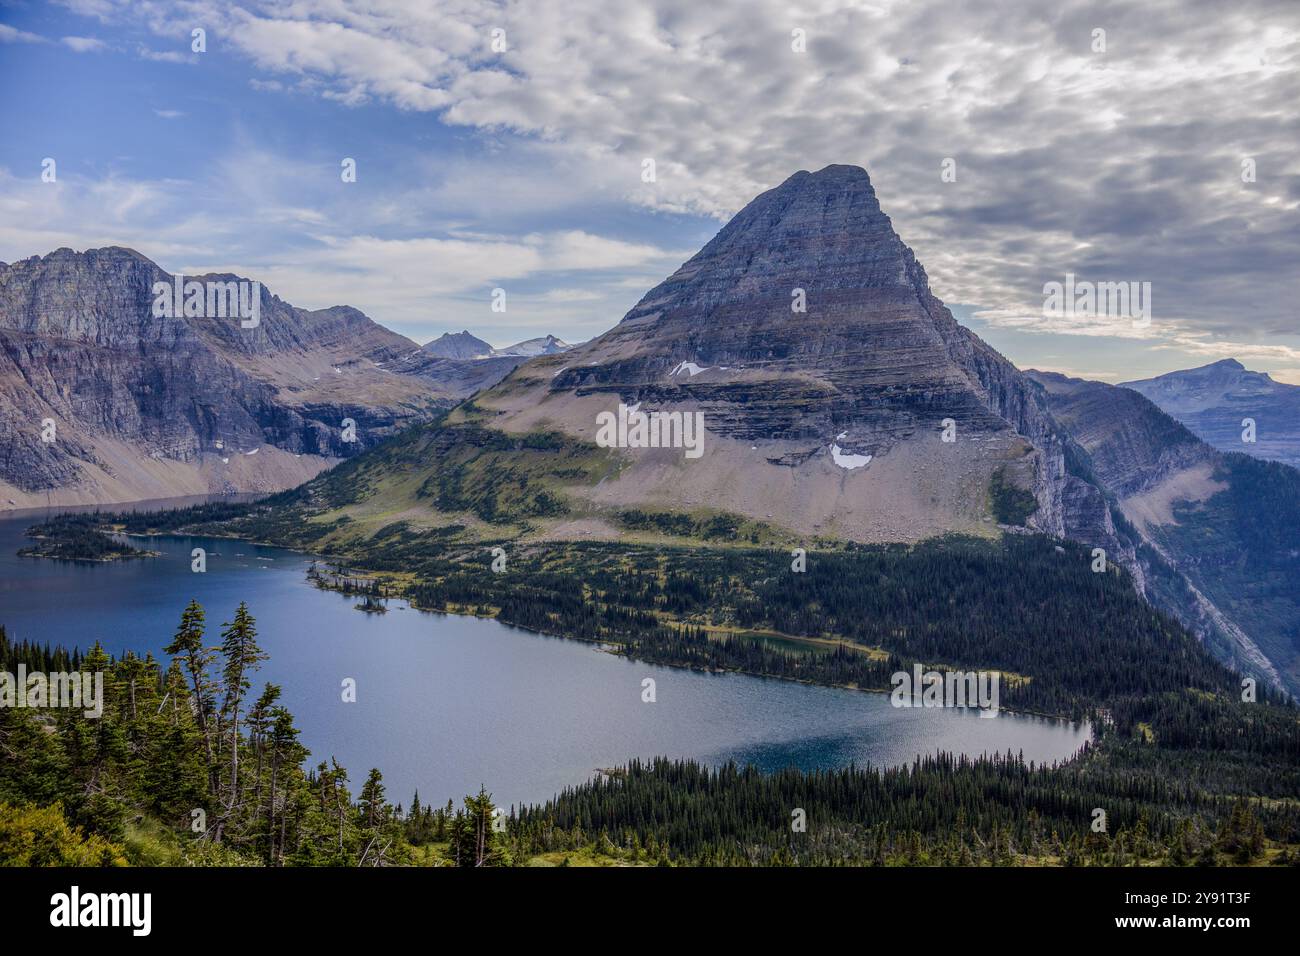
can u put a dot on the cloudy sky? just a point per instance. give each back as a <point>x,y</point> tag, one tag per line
<point>1115,155</point>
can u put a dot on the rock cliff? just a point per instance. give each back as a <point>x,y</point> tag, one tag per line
<point>101,400</point>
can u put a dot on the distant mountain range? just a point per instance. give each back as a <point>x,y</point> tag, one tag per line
<point>463,345</point>
<point>1215,401</point>
<point>105,397</point>
<point>841,403</point>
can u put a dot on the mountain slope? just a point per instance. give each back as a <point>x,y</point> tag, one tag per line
<point>145,406</point>
<point>1214,400</point>
<point>871,366</point>
<point>1228,523</point>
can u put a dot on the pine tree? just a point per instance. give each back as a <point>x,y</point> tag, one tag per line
<point>188,643</point>
<point>284,751</point>
<point>372,799</point>
<point>242,655</point>
<point>260,717</point>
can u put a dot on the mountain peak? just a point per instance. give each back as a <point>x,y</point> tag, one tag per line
<point>842,172</point>
<point>809,297</point>
<point>835,184</point>
<point>543,345</point>
<point>100,254</point>
<point>1212,400</point>
<point>458,345</point>
<point>821,232</point>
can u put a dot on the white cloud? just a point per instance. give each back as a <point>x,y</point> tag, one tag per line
<point>1246,352</point>
<point>1089,324</point>
<point>423,280</point>
<point>99,9</point>
<point>10,34</point>
<point>83,44</point>
<point>569,295</point>
<point>164,56</point>
<point>418,282</point>
<point>1123,165</point>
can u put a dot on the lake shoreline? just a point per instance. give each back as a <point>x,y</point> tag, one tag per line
<point>617,648</point>
<point>450,700</point>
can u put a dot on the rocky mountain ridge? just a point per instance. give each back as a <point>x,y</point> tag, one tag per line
<point>1215,401</point>
<point>807,323</point>
<point>458,345</point>
<point>103,400</point>
<point>464,345</point>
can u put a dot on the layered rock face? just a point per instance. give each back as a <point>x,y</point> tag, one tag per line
<point>807,323</point>
<point>455,377</point>
<point>1133,447</point>
<point>149,406</point>
<point>1214,400</point>
<point>807,291</point>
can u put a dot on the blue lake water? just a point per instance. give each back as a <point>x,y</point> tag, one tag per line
<point>446,704</point>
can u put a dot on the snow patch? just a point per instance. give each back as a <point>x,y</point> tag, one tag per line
<point>847,460</point>
<point>691,369</point>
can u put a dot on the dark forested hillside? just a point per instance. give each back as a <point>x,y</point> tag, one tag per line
<point>1215,532</point>
<point>1026,604</point>
<point>1242,548</point>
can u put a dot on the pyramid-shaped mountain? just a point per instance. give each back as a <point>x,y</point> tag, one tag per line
<point>808,299</point>
<point>807,335</point>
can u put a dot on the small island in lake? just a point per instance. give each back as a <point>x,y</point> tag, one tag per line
<point>371,606</point>
<point>78,537</point>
